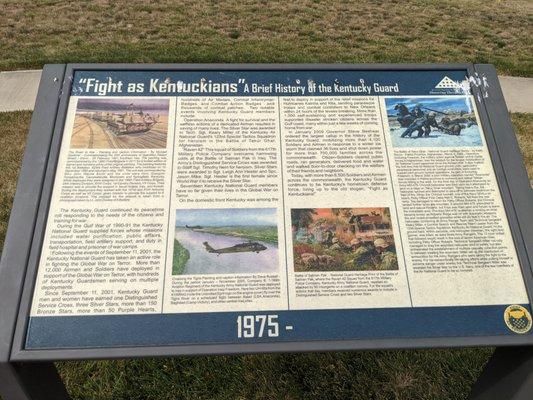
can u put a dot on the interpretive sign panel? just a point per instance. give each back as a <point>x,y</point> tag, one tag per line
<point>235,206</point>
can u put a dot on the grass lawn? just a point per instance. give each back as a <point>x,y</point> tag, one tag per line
<point>33,33</point>
<point>383,375</point>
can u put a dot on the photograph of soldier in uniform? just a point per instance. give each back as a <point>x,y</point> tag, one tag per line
<point>343,239</point>
<point>437,121</point>
<point>123,123</point>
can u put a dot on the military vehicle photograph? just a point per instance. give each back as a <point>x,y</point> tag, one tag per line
<point>225,241</point>
<point>447,121</point>
<point>125,123</point>
<point>343,239</point>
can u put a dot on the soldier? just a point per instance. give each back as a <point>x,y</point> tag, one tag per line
<point>417,111</point>
<point>387,254</point>
<point>356,243</point>
<point>329,238</point>
<point>362,256</point>
<point>431,121</point>
<point>452,126</point>
<point>338,245</point>
<point>418,124</point>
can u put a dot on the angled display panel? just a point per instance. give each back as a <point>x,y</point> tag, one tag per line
<point>271,208</point>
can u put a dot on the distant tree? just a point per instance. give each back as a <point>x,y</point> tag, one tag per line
<point>302,217</point>
<point>345,213</point>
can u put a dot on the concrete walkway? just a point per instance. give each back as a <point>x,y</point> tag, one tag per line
<point>518,93</point>
<point>18,90</point>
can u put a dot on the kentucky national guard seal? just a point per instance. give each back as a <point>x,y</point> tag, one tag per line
<point>517,319</point>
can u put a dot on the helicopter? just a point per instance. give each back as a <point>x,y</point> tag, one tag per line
<point>238,248</point>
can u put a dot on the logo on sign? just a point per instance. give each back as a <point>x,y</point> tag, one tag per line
<point>517,319</point>
<point>449,86</point>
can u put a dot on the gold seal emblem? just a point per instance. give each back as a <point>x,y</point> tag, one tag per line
<point>517,319</point>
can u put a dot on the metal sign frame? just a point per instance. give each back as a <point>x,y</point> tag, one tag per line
<point>18,268</point>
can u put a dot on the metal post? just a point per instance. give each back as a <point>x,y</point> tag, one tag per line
<point>31,381</point>
<point>507,376</point>
<point>27,381</point>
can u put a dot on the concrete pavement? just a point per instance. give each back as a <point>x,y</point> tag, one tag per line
<point>18,90</point>
<point>518,93</point>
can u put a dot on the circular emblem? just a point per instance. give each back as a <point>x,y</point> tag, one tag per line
<point>517,319</point>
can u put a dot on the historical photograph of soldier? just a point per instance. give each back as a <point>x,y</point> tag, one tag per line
<point>343,239</point>
<point>125,123</point>
<point>437,121</point>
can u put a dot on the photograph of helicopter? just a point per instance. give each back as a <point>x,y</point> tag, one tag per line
<point>432,121</point>
<point>225,241</point>
<point>238,248</point>
<point>120,123</point>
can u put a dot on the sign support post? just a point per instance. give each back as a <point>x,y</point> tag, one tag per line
<point>28,380</point>
<point>507,375</point>
<point>31,381</point>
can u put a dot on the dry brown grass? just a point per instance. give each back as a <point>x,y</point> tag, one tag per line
<point>497,31</point>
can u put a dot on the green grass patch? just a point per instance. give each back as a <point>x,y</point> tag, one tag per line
<point>179,258</point>
<point>265,233</point>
